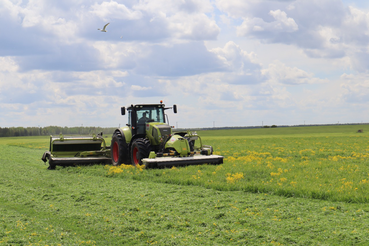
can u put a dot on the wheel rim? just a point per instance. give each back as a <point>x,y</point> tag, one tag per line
<point>134,153</point>
<point>115,152</point>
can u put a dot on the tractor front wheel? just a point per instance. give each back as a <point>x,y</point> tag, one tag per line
<point>140,149</point>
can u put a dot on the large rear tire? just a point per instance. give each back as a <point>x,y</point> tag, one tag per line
<point>119,149</point>
<point>140,149</point>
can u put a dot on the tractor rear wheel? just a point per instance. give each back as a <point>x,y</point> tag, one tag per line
<point>140,149</point>
<point>119,150</point>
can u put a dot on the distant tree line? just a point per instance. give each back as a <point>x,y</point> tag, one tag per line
<point>273,126</point>
<point>80,130</point>
<point>53,130</point>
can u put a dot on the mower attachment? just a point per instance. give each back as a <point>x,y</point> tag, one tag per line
<point>182,161</point>
<point>76,150</point>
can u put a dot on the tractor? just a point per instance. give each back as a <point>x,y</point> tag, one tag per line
<point>147,139</point>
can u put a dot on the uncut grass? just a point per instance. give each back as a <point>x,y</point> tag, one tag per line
<point>325,167</point>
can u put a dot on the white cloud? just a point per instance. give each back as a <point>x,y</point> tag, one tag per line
<point>119,55</point>
<point>172,7</point>
<point>180,59</point>
<point>280,73</point>
<point>140,88</point>
<point>283,23</point>
<point>242,66</point>
<point>356,89</point>
<point>113,10</point>
<point>10,9</point>
<point>255,25</point>
<point>184,19</point>
<point>7,64</point>
<point>235,8</point>
<point>234,57</point>
<point>324,30</point>
<point>197,27</point>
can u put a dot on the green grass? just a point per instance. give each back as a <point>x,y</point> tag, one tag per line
<point>329,166</point>
<point>195,205</point>
<point>316,130</point>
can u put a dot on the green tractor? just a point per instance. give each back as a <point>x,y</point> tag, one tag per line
<point>147,140</point>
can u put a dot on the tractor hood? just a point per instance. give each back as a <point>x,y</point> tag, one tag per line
<point>157,132</point>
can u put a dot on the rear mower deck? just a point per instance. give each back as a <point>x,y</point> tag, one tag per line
<point>76,150</point>
<point>77,160</point>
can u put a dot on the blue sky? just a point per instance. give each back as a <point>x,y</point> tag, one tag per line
<point>223,62</point>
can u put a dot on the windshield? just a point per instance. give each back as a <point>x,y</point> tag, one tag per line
<point>150,114</point>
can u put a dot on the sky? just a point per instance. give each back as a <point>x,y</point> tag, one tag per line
<point>222,62</point>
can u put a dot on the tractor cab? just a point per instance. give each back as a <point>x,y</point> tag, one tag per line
<point>141,114</point>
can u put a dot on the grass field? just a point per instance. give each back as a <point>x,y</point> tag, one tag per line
<point>277,186</point>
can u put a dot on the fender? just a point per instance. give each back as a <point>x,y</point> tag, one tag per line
<point>126,134</point>
<point>123,136</point>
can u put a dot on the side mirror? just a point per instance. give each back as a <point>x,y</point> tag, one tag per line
<point>175,108</point>
<point>123,110</point>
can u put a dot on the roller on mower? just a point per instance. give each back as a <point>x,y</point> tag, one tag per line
<point>147,140</point>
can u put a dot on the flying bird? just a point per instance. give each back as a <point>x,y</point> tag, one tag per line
<point>104,29</point>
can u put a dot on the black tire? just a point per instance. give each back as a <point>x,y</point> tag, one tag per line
<point>140,149</point>
<point>119,149</point>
